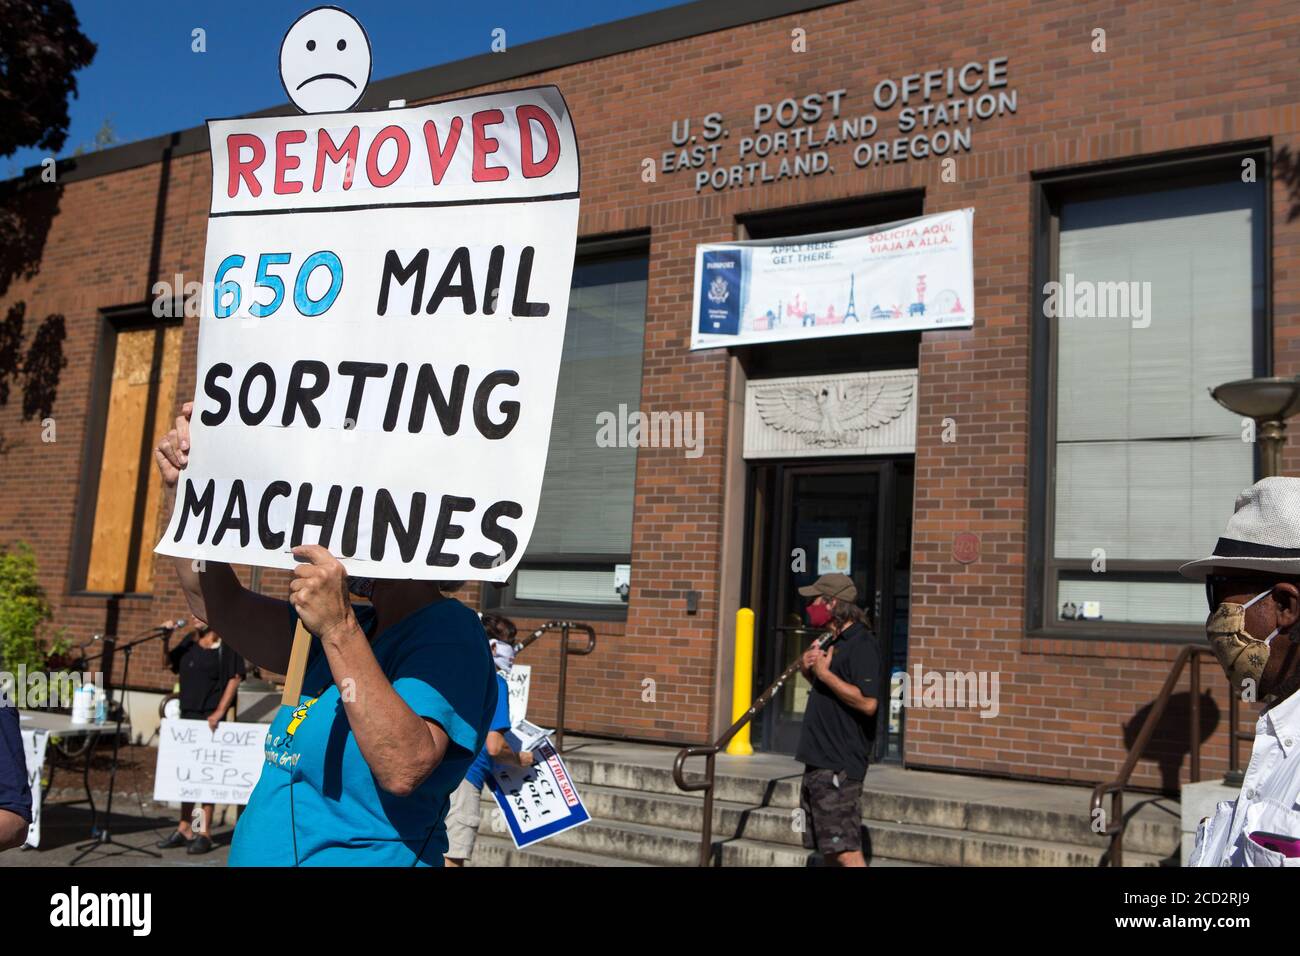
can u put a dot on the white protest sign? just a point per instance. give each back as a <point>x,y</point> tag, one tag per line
<point>34,751</point>
<point>380,336</point>
<point>518,681</point>
<point>199,765</point>
<point>540,801</point>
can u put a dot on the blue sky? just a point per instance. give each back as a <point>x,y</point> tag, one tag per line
<point>146,80</point>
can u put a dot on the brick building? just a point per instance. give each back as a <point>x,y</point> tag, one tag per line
<point>1151,142</point>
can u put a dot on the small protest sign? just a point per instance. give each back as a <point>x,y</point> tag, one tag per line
<point>34,753</point>
<point>526,735</point>
<point>518,681</point>
<point>199,765</point>
<point>540,801</point>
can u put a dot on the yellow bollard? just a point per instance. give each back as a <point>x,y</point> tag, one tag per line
<point>742,681</point>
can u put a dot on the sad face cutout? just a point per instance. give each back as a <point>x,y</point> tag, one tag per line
<point>325,61</point>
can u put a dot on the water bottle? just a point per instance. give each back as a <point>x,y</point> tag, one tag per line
<point>83,704</point>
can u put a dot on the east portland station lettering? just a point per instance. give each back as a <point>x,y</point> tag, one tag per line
<point>794,137</point>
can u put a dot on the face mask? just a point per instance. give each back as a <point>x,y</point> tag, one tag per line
<point>819,615</point>
<point>1241,656</point>
<point>361,587</point>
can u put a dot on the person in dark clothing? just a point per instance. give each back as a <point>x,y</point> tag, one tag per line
<point>839,722</point>
<point>15,793</point>
<point>210,673</point>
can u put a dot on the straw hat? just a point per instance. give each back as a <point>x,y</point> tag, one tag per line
<point>1263,533</point>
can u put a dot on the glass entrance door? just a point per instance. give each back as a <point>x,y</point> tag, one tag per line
<point>807,520</point>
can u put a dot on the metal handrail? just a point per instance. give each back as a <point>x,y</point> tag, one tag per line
<point>1115,822</point>
<point>711,751</point>
<point>565,650</point>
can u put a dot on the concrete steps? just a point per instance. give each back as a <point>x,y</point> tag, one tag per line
<point>916,818</point>
<point>492,850</point>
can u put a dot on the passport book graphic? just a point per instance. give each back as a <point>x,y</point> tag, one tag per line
<point>720,286</point>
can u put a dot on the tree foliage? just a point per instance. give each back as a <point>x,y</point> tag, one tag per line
<point>41,47</point>
<point>23,610</point>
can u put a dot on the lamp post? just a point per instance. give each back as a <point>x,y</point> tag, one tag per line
<point>1269,402</point>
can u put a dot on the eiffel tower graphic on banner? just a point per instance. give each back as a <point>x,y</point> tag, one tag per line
<point>851,312</point>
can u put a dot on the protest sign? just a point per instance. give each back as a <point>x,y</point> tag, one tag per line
<point>540,801</point>
<point>34,752</point>
<point>518,681</point>
<point>199,765</point>
<point>380,335</point>
<point>903,276</point>
<point>526,735</point>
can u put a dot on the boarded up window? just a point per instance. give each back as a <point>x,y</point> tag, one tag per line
<point>141,403</point>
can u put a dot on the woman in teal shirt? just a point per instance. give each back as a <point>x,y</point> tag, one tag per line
<point>397,700</point>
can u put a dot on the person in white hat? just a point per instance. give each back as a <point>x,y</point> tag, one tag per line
<point>1252,585</point>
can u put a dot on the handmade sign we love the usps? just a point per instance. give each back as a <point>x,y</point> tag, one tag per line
<point>381,328</point>
<point>197,764</point>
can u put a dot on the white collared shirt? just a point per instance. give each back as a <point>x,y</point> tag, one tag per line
<point>1269,801</point>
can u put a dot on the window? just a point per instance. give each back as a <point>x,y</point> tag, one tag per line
<point>135,400</point>
<point>584,518</point>
<point>1159,296</point>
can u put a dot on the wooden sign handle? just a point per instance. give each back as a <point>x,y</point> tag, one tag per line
<point>297,666</point>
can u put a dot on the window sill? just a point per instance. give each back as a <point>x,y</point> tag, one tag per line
<point>1086,641</point>
<point>111,595</point>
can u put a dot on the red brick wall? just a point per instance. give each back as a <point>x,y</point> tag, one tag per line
<point>1175,76</point>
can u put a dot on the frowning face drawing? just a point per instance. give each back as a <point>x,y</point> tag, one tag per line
<point>325,61</point>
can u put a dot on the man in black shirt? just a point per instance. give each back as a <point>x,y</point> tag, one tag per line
<point>15,794</point>
<point>210,673</point>
<point>839,722</point>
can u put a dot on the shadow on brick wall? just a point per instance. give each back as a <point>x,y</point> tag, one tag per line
<point>1169,746</point>
<point>27,210</point>
<point>1287,164</point>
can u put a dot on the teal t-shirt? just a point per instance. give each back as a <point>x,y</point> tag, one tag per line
<point>316,802</point>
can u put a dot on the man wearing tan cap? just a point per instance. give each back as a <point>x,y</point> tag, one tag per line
<point>1252,584</point>
<point>839,723</point>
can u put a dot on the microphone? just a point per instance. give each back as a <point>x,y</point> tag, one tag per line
<point>166,628</point>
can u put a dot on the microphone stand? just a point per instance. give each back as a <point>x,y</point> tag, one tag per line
<point>100,838</point>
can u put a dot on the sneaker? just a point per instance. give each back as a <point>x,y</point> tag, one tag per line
<point>176,839</point>
<point>200,844</point>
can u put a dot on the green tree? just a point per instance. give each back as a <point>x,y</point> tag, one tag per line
<point>106,137</point>
<point>23,609</point>
<point>41,47</point>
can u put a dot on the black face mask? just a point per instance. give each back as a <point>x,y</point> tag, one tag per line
<point>361,587</point>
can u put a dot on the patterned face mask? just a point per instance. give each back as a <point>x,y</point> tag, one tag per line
<point>1241,656</point>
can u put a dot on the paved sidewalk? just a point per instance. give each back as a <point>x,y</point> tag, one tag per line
<point>65,825</point>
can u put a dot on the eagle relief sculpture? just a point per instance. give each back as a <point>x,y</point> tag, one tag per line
<point>833,414</point>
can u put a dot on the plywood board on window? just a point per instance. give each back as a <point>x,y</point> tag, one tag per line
<point>146,364</point>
